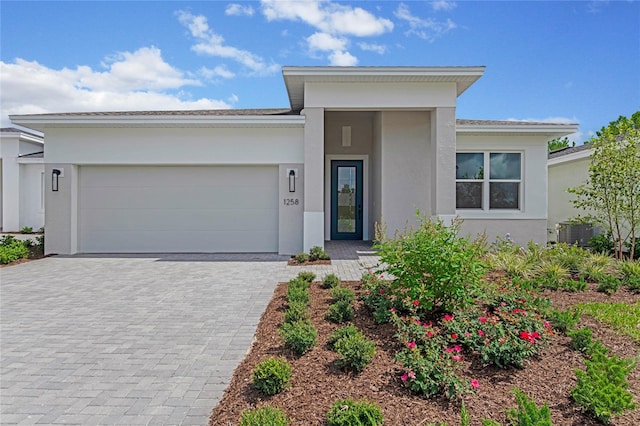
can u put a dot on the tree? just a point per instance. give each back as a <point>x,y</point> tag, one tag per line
<point>612,191</point>
<point>556,144</point>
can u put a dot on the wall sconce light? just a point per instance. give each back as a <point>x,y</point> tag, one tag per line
<point>292,181</point>
<point>346,136</point>
<point>55,173</point>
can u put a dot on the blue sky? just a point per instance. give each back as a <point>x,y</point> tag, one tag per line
<point>571,61</point>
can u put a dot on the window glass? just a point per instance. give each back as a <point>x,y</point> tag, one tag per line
<point>504,195</point>
<point>504,166</point>
<point>469,165</point>
<point>469,195</point>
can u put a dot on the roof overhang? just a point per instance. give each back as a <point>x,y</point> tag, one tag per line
<point>574,156</point>
<point>296,77</point>
<point>41,122</point>
<point>517,128</point>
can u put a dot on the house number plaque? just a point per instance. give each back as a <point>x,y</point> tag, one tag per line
<point>291,201</point>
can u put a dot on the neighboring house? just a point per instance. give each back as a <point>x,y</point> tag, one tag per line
<point>358,145</point>
<point>567,168</point>
<point>21,180</point>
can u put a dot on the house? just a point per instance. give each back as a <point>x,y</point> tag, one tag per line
<point>567,168</point>
<point>358,145</point>
<point>21,180</point>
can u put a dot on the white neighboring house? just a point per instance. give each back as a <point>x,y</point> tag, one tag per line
<point>567,168</point>
<point>21,180</point>
<point>358,145</point>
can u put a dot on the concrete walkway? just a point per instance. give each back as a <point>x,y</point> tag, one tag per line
<point>146,339</point>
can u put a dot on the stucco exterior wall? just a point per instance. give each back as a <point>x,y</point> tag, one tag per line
<point>175,145</point>
<point>31,195</point>
<point>520,231</point>
<point>563,176</point>
<point>405,164</point>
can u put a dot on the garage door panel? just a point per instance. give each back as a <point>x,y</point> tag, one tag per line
<point>178,209</point>
<point>196,197</point>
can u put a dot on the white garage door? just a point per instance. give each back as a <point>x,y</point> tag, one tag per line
<point>140,209</point>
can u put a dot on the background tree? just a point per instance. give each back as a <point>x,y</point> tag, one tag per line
<point>556,144</point>
<point>612,191</point>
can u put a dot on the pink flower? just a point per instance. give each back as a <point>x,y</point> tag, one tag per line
<point>457,348</point>
<point>381,277</point>
<point>467,334</point>
<point>411,345</point>
<point>418,322</point>
<point>454,336</point>
<point>546,324</point>
<point>475,384</point>
<point>448,317</point>
<point>536,335</point>
<point>416,303</point>
<point>449,350</point>
<point>382,291</point>
<point>404,377</point>
<point>429,334</point>
<point>392,310</point>
<point>412,375</point>
<point>457,357</point>
<point>482,319</point>
<point>480,333</point>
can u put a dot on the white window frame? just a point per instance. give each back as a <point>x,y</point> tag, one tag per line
<point>486,181</point>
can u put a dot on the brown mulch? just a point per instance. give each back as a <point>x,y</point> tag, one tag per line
<point>294,262</point>
<point>317,383</point>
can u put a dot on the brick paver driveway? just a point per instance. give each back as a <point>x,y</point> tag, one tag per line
<point>127,340</point>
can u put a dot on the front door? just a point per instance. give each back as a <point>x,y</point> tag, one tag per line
<point>346,199</point>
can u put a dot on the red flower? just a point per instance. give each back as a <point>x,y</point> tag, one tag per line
<point>525,335</point>
<point>454,336</point>
<point>480,333</point>
<point>411,345</point>
<point>475,384</point>
<point>416,303</point>
<point>482,319</point>
<point>382,291</point>
<point>448,317</point>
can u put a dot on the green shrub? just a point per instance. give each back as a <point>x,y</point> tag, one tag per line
<point>330,281</point>
<point>433,266</point>
<point>355,351</point>
<point>12,249</point>
<point>551,275</point>
<point>571,285</point>
<point>297,294</point>
<point>630,271</point>
<point>272,376</point>
<point>527,413</point>
<point>307,276</point>
<point>340,312</point>
<point>348,412</point>
<point>465,419</point>
<point>343,294</point>
<point>601,243</point>
<point>299,336</point>
<point>581,339</point>
<point>317,253</point>
<point>564,320</point>
<point>489,422</point>
<point>296,311</point>
<point>301,257</point>
<point>346,331</point>
<point>608,284</point>
<point>26,230</point>
<point>596,266</point>
<point>377,297</point>
<point>265,416</point>
<point>299,282</point>
<point>602,388</point>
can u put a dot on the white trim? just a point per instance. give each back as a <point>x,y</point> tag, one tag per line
<point>570,157</point>
<point>551,130</point>
<point>22,160</point>
<point>365,193</point>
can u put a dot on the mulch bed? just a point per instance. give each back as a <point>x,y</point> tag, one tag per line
<point>293,262</point>
<point>317,382</point>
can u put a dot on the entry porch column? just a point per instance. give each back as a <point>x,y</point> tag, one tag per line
<point>443,167</point>
<point>313,231</point>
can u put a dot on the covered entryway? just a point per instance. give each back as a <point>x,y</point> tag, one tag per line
<point>177,209</point>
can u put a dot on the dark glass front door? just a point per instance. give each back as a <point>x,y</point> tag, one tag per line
<point>346,200</point>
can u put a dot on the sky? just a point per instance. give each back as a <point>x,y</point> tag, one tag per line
<point>552,61</point>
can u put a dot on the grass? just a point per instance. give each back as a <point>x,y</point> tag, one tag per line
<point>623,317</point>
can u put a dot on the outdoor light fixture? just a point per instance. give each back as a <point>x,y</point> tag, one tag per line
<point>55,173</point>
<point>292,181</point>
<point>346,135</point>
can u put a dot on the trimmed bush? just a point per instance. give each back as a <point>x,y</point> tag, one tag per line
<point>317,253</point>
<point>564,320</point>
<point>347,412</point>
<point>330,281</point>
<point>355,351</point>
<point>12,249</point>
<point>346,331</point>
<point>343,294</point>
<point>340,312</point>
<point>528,413</point>
<point>297,311</point>
<point>265,416</point>
<point>581,339</point>
<point>306,276</point>
<point>608,284</point>
<point>301,257</point>
<point>299,336</point>
<point>297,294</point>
<point>272,376</point>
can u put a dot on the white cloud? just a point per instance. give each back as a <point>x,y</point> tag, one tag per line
<point>233,98</point>
<point>426,28</point>
<point>372,47</point>
<point>132,81</point>
<point>235,9</point>
<point>342,59</point>
<point>212,44</point>
<point>323,41</point>
<point>445,5</point>
<point>334,23</point>
<point>328,17</point>
<point>219,71</point>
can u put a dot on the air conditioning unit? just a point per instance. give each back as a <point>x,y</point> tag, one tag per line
<point>577,233</point>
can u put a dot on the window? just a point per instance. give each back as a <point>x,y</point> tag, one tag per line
<point>498,189</point>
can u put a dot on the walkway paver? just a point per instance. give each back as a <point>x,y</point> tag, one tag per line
<point>134,339</point>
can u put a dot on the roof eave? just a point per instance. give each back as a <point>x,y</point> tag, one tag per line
<point>552,130</point>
